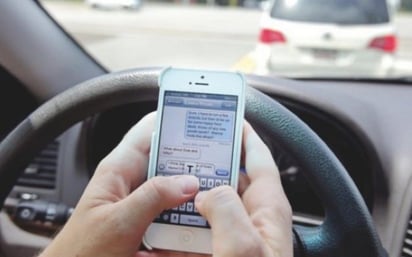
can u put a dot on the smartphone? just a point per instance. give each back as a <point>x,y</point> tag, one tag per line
<point>199,132</point>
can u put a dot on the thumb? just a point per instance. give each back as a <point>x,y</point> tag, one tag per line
<point>232,230</point>
<point>155,195</point>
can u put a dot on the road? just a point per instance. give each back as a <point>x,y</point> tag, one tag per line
<point>161,35</point>
<point>171,34</point>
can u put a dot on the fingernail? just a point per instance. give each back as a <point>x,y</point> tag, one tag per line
<point>189,184</point>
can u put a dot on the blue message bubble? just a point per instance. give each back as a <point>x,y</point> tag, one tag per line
<point>206,125</point>
<point>222,173</point>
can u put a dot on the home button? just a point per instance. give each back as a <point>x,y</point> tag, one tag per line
<point>186,236</point>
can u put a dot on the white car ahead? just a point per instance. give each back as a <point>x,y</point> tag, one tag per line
<point>325,38</point>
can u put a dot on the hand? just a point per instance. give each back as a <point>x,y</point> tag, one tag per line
<point>258,224</point>
<point>115,209</point>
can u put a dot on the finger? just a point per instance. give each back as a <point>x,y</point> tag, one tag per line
<point>232,231</point>
<point>258,158</point>
<point>155,195</point>
<point>264,176</point>
<point>265,199</point>
<point>127,163</point>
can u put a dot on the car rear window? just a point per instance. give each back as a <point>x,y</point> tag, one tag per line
<point>345,12</point>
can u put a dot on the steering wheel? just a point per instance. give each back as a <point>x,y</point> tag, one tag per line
<point>347,229</point>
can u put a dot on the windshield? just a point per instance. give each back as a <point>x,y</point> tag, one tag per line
<point>287,38</point>
<point>327,11</point>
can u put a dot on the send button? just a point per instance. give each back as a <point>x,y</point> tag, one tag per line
<point>222,173</point>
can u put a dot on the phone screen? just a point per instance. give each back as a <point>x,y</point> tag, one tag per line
<point>196,138</point>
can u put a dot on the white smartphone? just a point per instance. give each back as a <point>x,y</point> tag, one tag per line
<point>198,132</point>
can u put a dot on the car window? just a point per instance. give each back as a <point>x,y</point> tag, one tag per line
<point>337,11</point>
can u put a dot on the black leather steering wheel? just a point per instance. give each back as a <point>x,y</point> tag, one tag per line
<point>347,229</point>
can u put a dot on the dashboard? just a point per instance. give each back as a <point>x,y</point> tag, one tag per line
<point>367,125</point>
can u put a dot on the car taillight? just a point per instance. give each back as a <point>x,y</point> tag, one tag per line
<point>269,36</point>
<point>385,43</point>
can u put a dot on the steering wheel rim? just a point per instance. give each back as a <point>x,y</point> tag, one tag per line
<point>347,230</point>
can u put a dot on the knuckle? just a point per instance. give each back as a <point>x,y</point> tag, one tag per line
<point>104,165</point>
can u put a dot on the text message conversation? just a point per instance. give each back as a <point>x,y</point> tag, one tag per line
<point>196,138</point>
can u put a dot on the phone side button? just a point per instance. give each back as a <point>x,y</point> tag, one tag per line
<point>186,236</point>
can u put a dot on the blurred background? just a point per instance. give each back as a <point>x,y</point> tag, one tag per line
<point>353,38</point>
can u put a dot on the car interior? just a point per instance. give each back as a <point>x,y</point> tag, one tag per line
<point>343,145</point>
